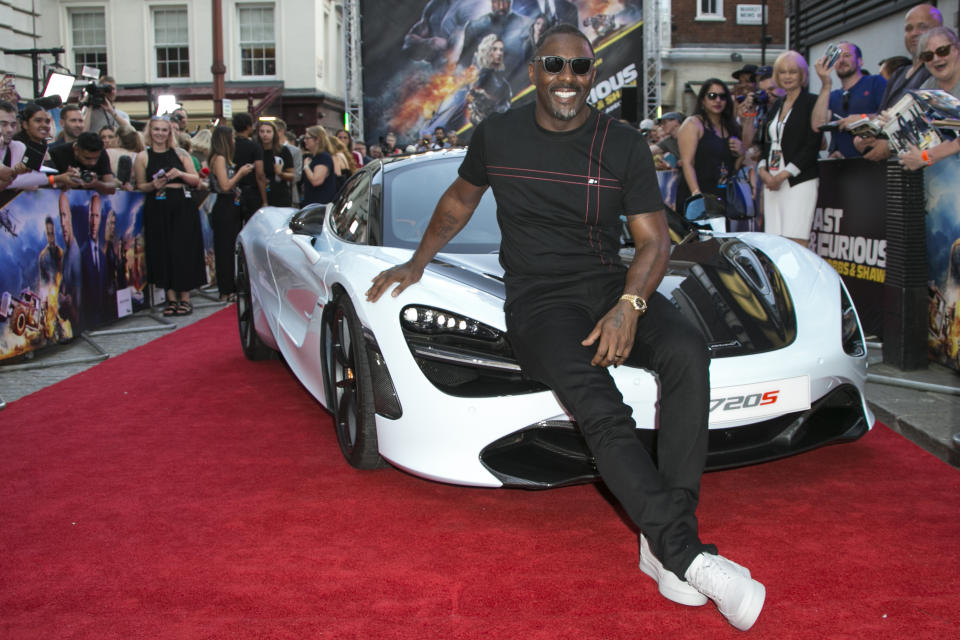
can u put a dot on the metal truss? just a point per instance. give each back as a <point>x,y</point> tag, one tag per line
<point>651,58</point>
<point>353,67</point>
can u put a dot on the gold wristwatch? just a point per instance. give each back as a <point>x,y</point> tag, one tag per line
<point>638,302</point>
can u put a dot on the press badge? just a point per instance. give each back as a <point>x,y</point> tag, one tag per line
<point>776,157</point>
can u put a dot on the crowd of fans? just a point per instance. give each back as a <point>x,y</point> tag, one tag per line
<point>237,169</point>
<point>765,130</point>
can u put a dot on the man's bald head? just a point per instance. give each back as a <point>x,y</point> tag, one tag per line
<point>918,21</point>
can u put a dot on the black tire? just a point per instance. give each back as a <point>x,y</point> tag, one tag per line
<point>253,346</point>
<point>349,385</point>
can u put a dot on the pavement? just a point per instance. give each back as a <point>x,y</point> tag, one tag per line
<point>922,405</point>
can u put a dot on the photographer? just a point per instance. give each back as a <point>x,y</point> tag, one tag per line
<point>84,165</point>
<point>98,109</point>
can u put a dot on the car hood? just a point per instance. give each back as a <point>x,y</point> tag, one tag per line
<point>479,271</point>
<point>732,292</point>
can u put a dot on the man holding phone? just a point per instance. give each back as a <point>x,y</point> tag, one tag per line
<point>858,95</point>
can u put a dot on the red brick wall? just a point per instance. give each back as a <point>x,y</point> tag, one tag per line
<point>687,31</point>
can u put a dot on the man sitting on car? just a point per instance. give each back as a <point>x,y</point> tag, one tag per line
<point>85,163</point>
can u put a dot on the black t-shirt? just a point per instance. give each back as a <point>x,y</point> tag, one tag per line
<point>246,151</point>
<point>560,195</point>
<point>62,158</point>
<point>278,191</point>
<point>326,191</point>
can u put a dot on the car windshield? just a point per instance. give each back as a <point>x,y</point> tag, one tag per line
<point>410,195</point>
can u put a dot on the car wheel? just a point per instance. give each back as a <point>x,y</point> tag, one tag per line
<point>19,321</point>
<point>253,346</point>
<point>349,385</point>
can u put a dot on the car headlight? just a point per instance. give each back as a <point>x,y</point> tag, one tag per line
<point>850,326</point>
<point>463,356</point>
<point>436,321</point>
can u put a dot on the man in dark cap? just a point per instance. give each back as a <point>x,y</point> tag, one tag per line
<point>765,81</point>
<point>669,124</point>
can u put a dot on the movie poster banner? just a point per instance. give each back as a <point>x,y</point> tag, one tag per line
<point>452,63</point>
<point>69,261</point>
<point>849,232</point>
<point>942,186</point>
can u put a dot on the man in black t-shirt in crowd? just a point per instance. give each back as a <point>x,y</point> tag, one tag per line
<point>83,164</point>
<point>253,186</point>
<point>562,174</point>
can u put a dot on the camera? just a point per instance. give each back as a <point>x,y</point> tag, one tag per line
<point>760,98</point>
<point>95,95</point>
<point>87,175</point>
<point>832,55</point>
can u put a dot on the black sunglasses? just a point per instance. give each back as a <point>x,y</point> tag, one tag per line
<point>845,100</point>
<point>713,95</point>
<point>554,64</point>
<point>942,52</point>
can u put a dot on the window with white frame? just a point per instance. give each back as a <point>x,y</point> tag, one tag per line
<point>258,46</point>
<point>88,39</point>
<point>710,9</point>
<point>170,42</point>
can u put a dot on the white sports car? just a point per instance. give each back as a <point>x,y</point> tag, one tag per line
<point>427,380</point>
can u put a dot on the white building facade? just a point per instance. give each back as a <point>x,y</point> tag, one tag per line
<point>281,57</point>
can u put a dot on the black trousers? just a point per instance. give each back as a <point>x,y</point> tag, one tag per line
<point>226,222</point>
<point>546,328</point>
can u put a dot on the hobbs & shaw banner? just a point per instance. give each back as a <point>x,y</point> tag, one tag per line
<point>57,278</point>
<point>452,63</point>
<point>942,185</point>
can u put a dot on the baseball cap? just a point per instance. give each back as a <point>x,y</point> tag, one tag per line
<point>646,124</point>
<point>764,72</point>
<point>672,115</point>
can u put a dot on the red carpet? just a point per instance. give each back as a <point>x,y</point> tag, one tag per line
<point>179,491</point>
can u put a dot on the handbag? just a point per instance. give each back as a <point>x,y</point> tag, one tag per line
<point>738,197</point>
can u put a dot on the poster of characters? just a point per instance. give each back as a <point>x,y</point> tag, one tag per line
<point>449,64</point>
<point>69,261</point>
<point>943,260</point>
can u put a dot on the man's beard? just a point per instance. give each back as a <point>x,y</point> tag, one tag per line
<point>847,73</point>
<point>566,114</point>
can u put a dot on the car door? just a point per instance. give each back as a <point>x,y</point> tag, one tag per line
<point>299,262</point>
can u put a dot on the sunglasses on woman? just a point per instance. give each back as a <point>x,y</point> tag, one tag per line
<point>713,95</point>
<point>942,52</point>
<point>554,64</point>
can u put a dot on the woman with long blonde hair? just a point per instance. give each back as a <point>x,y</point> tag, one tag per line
<point>171,224</point>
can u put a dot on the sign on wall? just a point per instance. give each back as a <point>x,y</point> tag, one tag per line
<point>750,14</point>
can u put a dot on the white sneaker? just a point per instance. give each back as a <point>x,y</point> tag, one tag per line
<point>671,587</point>
<point>738,597</point>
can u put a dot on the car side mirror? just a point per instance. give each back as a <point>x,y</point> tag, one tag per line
<point>309,220</point>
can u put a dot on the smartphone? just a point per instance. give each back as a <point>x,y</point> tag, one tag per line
<point>833,54</point>
<point>124,169</point>
<point>33,156</point>
<point>159,174</point>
